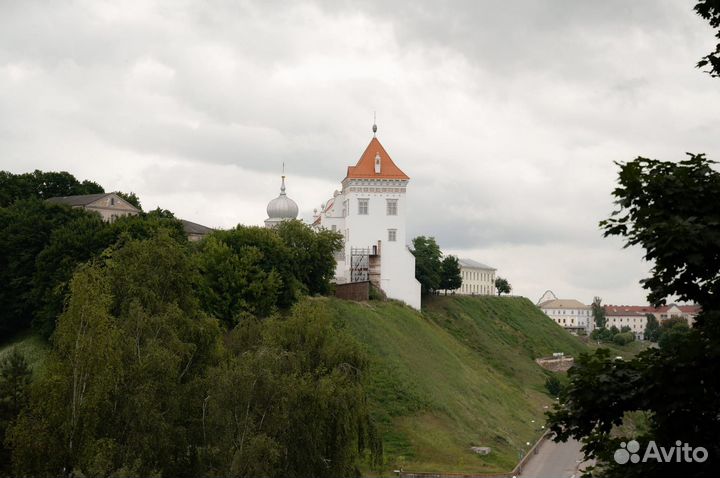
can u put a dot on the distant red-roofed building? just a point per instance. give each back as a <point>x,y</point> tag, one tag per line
<point>635,316</point>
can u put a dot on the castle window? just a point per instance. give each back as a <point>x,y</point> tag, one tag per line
<point>112,201</point>
<point>392,235</point>
<point>363,206</point>
<point>392,207</point>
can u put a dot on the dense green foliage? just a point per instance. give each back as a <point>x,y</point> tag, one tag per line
<point>710,11</point>
<point>26,229</point>
<point>502,286</point>
<point>617,336</point>
<point>663,203</point>
<point>553,386</point>
<point>15,378</point>
<point>623,338</point>
<point>450,278</point>
<point>42,185</point>
<point>670,209</point>
<point>253,271</point>
<point>652,328</point>
<point>311,254</point>
<point>141,381</point>
<point>41,245</point>
<point>598,313</point>
<point>432,270</point>
<point>428,263</point>
<point>160,364</point>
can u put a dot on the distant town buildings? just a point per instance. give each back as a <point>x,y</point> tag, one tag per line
<point>571,314</point>
<point>477,278</point>
<point>370,212</point>
<point>635,316</point>
<point>577,317</point>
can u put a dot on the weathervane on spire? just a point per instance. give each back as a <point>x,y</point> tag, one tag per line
<point>374,128</point>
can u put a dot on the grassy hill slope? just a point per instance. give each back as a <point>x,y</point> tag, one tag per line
<point>458,375</point>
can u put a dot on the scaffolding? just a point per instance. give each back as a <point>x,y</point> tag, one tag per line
<point>359,264</point>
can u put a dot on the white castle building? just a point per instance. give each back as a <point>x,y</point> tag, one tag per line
<point>369,211</point>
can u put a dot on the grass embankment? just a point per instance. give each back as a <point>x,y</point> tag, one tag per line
<point>460,374</point>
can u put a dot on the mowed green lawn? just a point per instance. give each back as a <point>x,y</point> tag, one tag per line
<point>460,374</point>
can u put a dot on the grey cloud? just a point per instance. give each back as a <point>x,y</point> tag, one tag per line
<point>507,115</point>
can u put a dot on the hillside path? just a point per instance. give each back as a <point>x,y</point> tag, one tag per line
<point>555,460</point>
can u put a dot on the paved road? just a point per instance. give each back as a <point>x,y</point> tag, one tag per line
<point>555,460</point>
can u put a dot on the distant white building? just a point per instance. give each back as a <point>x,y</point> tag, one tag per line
<point>634,317</point>
<point>477,278</point>
<point>370,211</point>
<point>571,314</point>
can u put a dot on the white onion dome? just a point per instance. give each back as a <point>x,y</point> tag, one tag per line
<point>282,207</point>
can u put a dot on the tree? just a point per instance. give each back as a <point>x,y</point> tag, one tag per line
<point>623,338</point>
<point>671,329</point>
<point>26,228</point>
<point>656,207</point>
<point>312,254</point>
<point>503,286</point>
<point>70,245</point>
<point>652,328</point>
<point>553,386</point>
<point>710,11</point>
<point>42,185</point>
<point>15,377</point>
<point>275,256</point>
<point>290,401</point>
<point>598,312</point>
<point>233,284</point>
<point>450,274</point>
<point>670,209</point>
<point>122,393</point>
<point>428,265</point>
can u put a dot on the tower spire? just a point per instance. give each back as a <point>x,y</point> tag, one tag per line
<point>282,185</point>
<point>374,128</point>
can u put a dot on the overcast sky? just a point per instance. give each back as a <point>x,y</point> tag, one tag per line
<point>507,115</point>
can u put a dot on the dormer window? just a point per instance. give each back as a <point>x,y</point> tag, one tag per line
<point>112,201</point>
<point>377,163</point>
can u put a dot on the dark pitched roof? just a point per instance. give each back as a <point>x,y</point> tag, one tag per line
<point>194,228</point>
<point>80,200</point>
<point>474,264</point>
